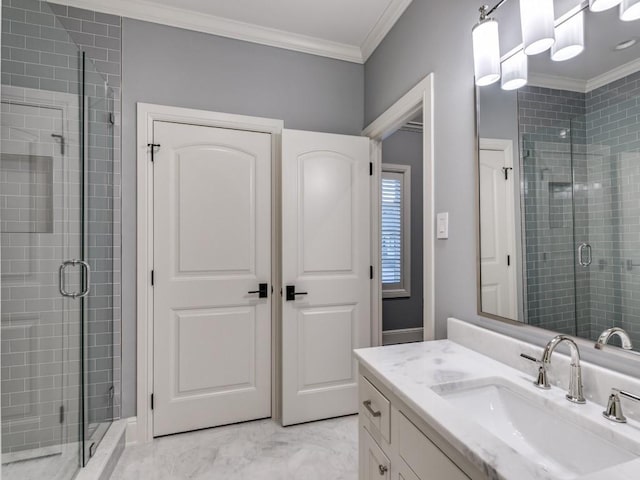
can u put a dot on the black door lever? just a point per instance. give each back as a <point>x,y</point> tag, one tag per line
<point>291,293</point>
<point>262,290</point>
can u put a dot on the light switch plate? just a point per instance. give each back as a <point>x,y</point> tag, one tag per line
<point>443,226</point>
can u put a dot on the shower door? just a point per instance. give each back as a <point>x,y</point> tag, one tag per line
<point>550,201</point>
<point>573,229</point>
<point>42,282</point>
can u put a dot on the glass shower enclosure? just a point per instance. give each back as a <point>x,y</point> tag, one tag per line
<point>57,242</point>
<point>581,206</point>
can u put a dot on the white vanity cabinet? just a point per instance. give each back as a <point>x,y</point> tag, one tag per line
<point>374,464</point>
<point>396,445</point>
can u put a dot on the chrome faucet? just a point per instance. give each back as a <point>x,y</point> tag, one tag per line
<point>604,337</point>
<point>575,393</point>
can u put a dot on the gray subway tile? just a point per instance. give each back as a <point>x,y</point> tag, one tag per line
<point>81,13</point>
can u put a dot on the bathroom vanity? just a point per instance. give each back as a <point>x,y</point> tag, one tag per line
<point>442,411</point>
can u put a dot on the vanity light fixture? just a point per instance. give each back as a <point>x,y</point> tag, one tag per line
<point>602,5</point>
<point>515,71</point>
<point>486,49</point>
<point>569,39</point>
<point>630,10</point>
<point>540,33</point>
<point>537,18</point>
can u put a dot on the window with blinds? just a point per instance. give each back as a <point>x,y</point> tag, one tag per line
<point>395,230</point>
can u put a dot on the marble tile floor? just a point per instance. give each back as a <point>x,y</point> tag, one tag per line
<point>57,466</point>
<point>261,450</point>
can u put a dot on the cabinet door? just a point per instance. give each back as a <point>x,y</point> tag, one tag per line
<point>422,455</point>
<point>405,473</point>
<point>374,464</point>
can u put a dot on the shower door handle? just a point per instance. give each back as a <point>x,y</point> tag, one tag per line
<point>86,277</point>
<point>581,248</point>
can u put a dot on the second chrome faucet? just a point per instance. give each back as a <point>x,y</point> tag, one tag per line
<point>575,392</point>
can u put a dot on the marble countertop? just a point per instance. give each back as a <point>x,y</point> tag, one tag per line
<point>411,370</point>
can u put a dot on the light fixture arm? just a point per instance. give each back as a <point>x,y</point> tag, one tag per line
<point>486,12</point>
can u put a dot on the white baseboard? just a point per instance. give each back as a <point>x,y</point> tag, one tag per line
<point>132,430</point>
<point>405,335</point>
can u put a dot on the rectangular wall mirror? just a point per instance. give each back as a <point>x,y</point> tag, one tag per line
<point>559,188</point>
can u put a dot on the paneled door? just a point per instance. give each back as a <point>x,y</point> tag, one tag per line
<point>325,272</point>
<point>497,240</point>
<point>212,268</point>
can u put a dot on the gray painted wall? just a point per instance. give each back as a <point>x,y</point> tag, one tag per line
<point>405,148</point>
<point>435,36</point>
<point>171,66</point>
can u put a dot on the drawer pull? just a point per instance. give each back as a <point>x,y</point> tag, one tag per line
<point>367,405</point>
<point>383,469</point>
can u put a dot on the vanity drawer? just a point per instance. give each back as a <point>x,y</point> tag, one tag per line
<point>422,456</point>
<point>375,406</point>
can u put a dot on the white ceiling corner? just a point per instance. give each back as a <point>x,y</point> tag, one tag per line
<point>373,27</point>
<point>383,26</point>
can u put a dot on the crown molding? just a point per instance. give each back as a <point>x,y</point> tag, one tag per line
<point>383,26</point>
<point>584,86</point>
<point>613,75</point>
<point>190,20</point>
<point>558,83</point>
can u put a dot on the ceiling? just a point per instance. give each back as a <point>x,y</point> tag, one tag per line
<point>603,31</point>
<point>345,29</point>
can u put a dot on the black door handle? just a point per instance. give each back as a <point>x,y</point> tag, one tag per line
<point>291,293</point>
<point>262,290</point>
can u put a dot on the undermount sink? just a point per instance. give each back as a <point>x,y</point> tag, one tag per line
<point>536,429</point>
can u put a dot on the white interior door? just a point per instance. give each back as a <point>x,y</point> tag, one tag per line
<point>326,258</point>
<point>212,338</point>
<point>497,240</point>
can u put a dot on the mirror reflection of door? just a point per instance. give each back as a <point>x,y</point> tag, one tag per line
<point>497,237</point>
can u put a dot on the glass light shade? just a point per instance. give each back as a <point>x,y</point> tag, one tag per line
<point>537,19</point>
<point>569,39</point>
<point>602,5</point>
<point>486,52</point>
<point>630,10</point>
<point>515,71</point>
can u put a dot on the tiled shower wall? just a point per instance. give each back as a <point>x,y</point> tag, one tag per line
<point>598,134</point>
<point>37,60</point>
<point>613,134</point>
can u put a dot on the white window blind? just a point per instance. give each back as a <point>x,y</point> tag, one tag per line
<point>395,230</point>
<point>391,230</point>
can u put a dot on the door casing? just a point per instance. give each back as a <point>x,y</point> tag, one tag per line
<point>420,97</point>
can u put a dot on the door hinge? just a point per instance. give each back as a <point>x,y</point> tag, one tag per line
<point>61,413</point>
<point>508,260</point>
<point>153,147</point>
<point>506,172</point>
<point>371,169</point>
<point>152,279</point>
<point>370,272</point>
<point>152,401</point>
